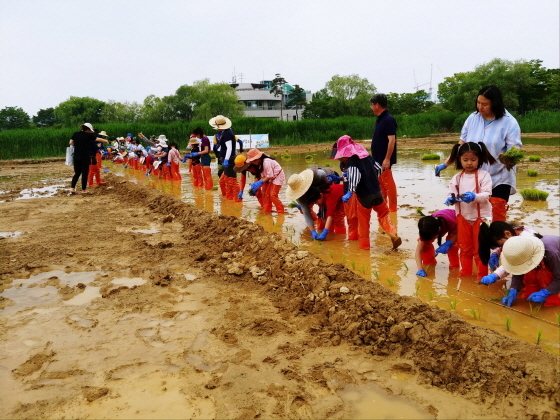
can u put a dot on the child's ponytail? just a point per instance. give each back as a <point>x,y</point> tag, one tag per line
<point>484,241</point>
<point>486,156</point>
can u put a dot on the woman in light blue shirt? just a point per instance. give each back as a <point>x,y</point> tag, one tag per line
<point>499,131</point>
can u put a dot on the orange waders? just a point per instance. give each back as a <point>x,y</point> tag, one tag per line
<point>223,184</point>
<point>429,254</point>
<point>175,173</point>
<point>537,279</point>
<point>388,189</point>
<point>350,208</point>
<point>207,178</point>
<point>499,209</point>
<point>95,171</point>
<point>196,173</point>
<point>270,196</point>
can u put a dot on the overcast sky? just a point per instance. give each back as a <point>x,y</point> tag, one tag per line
<point>125,50</point>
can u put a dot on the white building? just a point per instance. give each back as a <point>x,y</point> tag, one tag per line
<point>260,103</point>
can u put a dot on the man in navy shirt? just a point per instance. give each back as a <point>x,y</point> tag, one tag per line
<point>384,147</point>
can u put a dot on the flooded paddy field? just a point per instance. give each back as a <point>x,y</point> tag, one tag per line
<point>130,304</point>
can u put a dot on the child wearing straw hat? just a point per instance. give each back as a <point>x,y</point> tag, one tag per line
<point>363,193</point>
<point>535,265</point>
<point>272,179</point>
<point>196,167</point>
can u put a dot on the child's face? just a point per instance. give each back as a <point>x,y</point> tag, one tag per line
<point>469,162</point>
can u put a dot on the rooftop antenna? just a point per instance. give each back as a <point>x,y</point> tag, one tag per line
<point>233,77</point>
<point>416,85</point>
<point>241,77</point>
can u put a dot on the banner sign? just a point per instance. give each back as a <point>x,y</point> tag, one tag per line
<point>252,141</point>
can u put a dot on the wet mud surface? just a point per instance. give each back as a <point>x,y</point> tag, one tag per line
<point>210,316</point>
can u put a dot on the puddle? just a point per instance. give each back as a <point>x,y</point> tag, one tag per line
<point>43,192</point>
<point>82,322</point>
<point>10,234</point>
<point>200,341</point>
<point>147,231</point>
<point>26,293</point>
<point>198,362</point>
<point>371,402</point>
<point>129,282</point>
<point>190,277</point>
<point>417,187</point>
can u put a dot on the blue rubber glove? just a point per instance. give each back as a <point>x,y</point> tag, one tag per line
<point>252,192</point>
<point>314,234</point>
<point>489,279</point>
<point>194,154</point>
<point>468,197</point>
<point>226,163</point>
<point>321,212</point>
<point>511,296</point>
<point>444,247</point>
<point>344,174</point>
<point>347,196</point>
<point>240,195</point>
<point>539,297</point>
<point>256,185</point>
<point>494,262</point>
<point>449,201</point>
<point>185,158</point>
<point>333,178</point>
<point>421,273</point>
<point>168,164</point>
<point>440,168</point>
<point>299,208</point>
<point>323,235</point>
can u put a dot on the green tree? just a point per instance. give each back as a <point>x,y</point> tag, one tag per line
<point>350,95</point>
<point>13,117</point>
<point>297,98</point>
<point>78,110</point>
<point>127,112</point>
<point>45,118</point>
<point>408,103</point>
<point>214,99</point>
<point>319,107</point>
<point>277,89</point>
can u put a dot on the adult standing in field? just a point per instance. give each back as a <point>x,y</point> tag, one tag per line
<point>494,126</point>
<point>84,142</point>
<point>228,180</point>
<point>384,148</point>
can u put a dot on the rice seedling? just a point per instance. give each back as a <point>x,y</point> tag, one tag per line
<point>511,158</point>
<point>534,158</point>
<point>331,253</point>
<point>432,156</point>
<point>363,269</point>
<point>558,319</point>
<point>508,322</point>
<point>327,165</point>
<point>453,304</point>
<point>430,295</point>
<point>534,310</point>
<point>309,158</point>
<point>405,266</point>
<point>416,289</point>
<point>531,194</point>
<point>390,282</point>
<point>539,335</point>
<point>292,204</point>
<point>353,264</point>
<point>215,188</point>
<point>475,313</point>
<point>419,212</point>
<point>532,172</point>
<point>344,260</point>
<point>375,274</point>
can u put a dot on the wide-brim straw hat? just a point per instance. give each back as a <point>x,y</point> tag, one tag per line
<point>162,137</point>
<point>219,122</point>
<point>193,140</point>
<point>253,154</point>
<point>347,148</point>
<point>163,143</point>
<point>298,184</point>
<point>521,254</point>
<point>88,125</point>
<point>102,134</point>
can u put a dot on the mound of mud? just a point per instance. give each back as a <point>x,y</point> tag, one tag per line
<point>447,352</point>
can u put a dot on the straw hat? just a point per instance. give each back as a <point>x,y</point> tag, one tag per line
<point>102,134</point>
<point>241,164</point>
<point>253,154</point>
<point>219,122</point>
<point>193,140</point>
<point>298,184</point>
<point>521,254</point>
<point>347,148</point>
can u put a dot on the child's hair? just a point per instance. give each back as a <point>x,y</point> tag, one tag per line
<point>489,235</point>
<point>173,144</point>
<point>479,149</point>
<point>428,227</point>
<point>493,94</point>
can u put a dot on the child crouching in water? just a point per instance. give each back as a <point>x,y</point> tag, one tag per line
<point>440,223</point>
<point>469,191</point>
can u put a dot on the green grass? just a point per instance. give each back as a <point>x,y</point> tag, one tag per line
<point>534,158</point>
<point>431,157</point>
<point>532,172</point>
<point>531,194</point>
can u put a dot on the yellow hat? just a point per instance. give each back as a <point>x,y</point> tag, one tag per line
<point>240,160</point>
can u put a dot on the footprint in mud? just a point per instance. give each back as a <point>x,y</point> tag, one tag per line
<point>35,362</point>
<point>77,321</point>
<point>150,336</point>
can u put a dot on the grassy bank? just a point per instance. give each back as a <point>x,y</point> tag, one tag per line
<point>52,142</point>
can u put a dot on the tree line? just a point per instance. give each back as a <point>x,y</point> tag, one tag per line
<point>526,85</point>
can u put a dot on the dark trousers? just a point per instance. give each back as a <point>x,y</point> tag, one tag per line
<point>501,191</point>
<point>81,167</point>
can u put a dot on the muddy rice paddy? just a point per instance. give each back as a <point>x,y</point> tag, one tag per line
<point>150,299</point>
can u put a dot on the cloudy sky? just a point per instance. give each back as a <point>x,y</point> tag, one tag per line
<point>125,50</point>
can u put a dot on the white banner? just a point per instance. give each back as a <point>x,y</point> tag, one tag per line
<point>252,141</point>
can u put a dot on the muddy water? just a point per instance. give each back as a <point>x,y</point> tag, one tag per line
<point>418,188</point>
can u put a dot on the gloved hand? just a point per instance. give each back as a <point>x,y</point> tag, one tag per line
<point>489,279</point>
<point>344,174</point>
<point>468,197</point>
<point>299,208</point>
<point>421,273</point>
<point>323,235</point>
<point>252,192</point>
<point>444,247</point>
<point>539,297</point>
<point>494,262</point>
<point>347,196</point>
<point>240,195</point>
<point>168,164</point>
<point>314,234</point>
<point>194,154</point>
<point>256,185</point>
<point>333,178</point>
<point>451,200</point>
<point>185,158</point>
<point>511,296</point>
<point>226,163</point>
<point>440,168</point>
